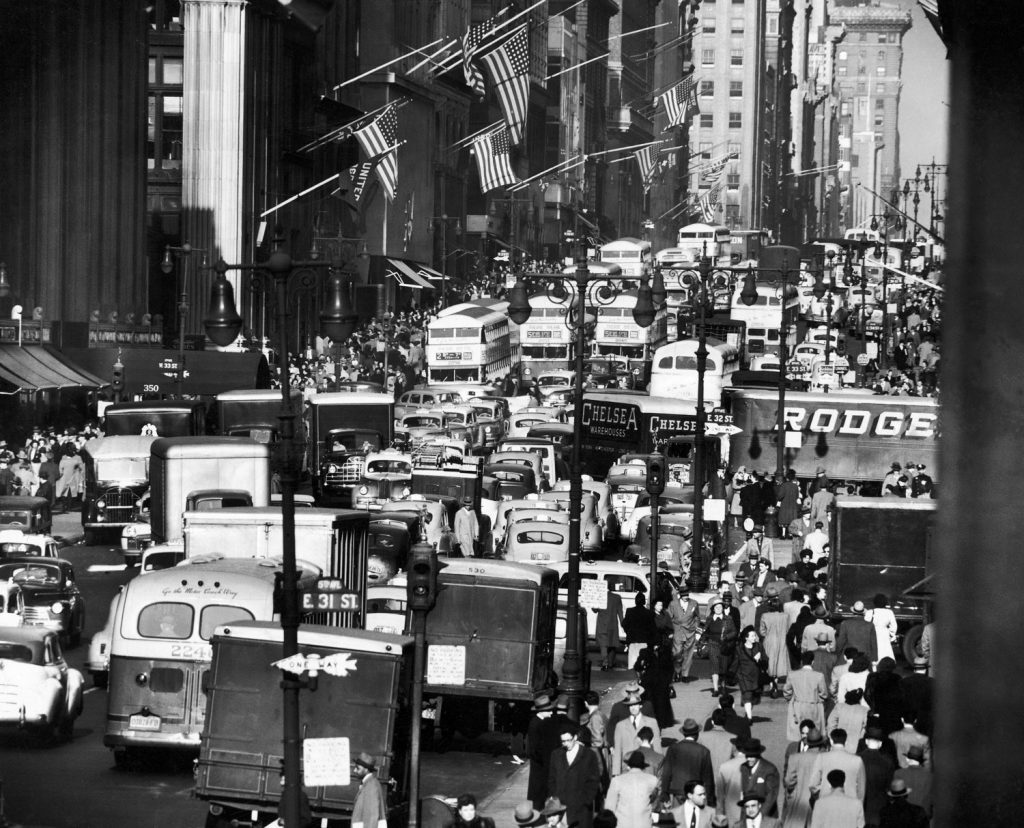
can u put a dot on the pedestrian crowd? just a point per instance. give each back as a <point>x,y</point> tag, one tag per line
<point>48,464</point>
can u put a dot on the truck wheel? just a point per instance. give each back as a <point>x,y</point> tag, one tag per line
<point>911,642</point>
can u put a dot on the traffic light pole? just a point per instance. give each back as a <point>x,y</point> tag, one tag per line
<point>655,486</point>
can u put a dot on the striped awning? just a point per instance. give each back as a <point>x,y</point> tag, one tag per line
<point>407,277</point>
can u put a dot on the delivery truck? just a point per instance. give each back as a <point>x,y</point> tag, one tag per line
<point>362,708</point>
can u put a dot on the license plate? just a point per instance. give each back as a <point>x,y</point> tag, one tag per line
<point>144,722</point>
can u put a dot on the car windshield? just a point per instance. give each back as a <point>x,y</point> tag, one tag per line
<point>15,516</point>
<point>122,469</point>
<point>15,652</point>
<point>422,422</point>
<point>31,574</point>
<point>389,467</point>
<point>551,379</point>
<point>354,441</point>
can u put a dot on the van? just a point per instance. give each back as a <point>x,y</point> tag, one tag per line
<point>160,646</point>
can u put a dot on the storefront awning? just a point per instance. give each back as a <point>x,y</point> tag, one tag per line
<point>39,368</point>
<point>407,277</point>
<point>155,371</point>
<point>430,273</point>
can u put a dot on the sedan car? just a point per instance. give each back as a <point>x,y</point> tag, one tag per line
<point>38,690</point>
<point>418,426</point>
<point>52,599</point>
<point>386,474</point>
<point>15,544</point>
<point>412,401</point>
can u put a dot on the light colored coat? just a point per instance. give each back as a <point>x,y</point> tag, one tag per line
<point>629,798</point>
<point>837,810</point>
<point>626,741</point>
<point>729,788</point>
<point>849,763</point>
<point>806,693</point>
<point>796,809</point>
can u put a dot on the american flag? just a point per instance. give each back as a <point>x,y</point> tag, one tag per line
<point>360,175</point>
<point>493,159</point>
<point>648,163</point>
<point>709,201</point>
<point>679,100</point>
<point>378,139</point>
<point>712,173</point>
<point>508,65</point>
<point>471,41</point>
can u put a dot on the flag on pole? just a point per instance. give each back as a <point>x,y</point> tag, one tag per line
<point>679,100</point>
<point>471,41</point>
<point>708,201</point>
<point>493,159</point>
<point>646,159</point>
<point>360,175</point>
<point>509,65</point>
<point>378,140</point>
<point>712,173</point>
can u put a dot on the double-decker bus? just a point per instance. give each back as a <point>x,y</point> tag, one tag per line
<point>777,307</point>
<point>546,337</point>
<point>472,342</point>
<point>710,240</point>
<point>618,334</point>
<point>674,370</point>
<point>633,256</point>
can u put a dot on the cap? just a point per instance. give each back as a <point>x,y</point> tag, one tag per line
<point>525,814</point>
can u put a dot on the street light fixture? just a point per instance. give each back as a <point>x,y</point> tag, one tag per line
<point>284,276</point>
<point>599,288</point>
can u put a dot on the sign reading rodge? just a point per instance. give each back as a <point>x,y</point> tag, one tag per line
<point>854,422</point>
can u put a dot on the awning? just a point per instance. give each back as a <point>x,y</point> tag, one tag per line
<point>407,277</point>
<point>37,367</point>
<point>430,273</point>
<point>155,371</point>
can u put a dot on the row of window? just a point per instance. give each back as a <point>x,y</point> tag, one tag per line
<point>707,89</point>
<point>843,71</point>
<point>707,120</point>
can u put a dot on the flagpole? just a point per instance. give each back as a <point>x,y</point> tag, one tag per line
<point>462,141</point>
<point>637,31</point>
<point>577,66</point>
<point>497,28</point>
<point>297,196</point>
<point>430,58</point>
<point>631,146</point>
<point>385,64</point>
<point>330,136</point>
<point>545,172</point>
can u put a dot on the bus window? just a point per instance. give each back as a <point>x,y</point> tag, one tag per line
<point>166,620</point>
<point>215,615</point>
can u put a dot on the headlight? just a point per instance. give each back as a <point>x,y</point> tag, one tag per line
<point>101,504</point>
<point>332,469</point>
<point>363,490</point>
<point>56,607</point>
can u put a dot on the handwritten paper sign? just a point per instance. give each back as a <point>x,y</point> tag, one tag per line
<point>594,593</point>
<point>446,664</point>
<point>326,762</point>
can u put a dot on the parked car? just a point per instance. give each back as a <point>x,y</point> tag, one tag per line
<point>17,544</point>
<point>39,691</point>
<point>52,598</point>
<point>29,514</point>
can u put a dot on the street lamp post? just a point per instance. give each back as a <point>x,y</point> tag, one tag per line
<point>167,265</point>
<point>601,288</point>
<point>282,275</point>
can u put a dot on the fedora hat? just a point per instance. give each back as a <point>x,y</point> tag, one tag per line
<point>366,761</point>
<point>525,814</point>
<point>636,760</point>
<point>633,687</point>
<point>750,796</point>
<point>632,698</point>
<point>543,701</point>
<point>552,805</point>
<point>690,727</point>
<point>898,789</point>
<point>815,738</point>
<point>750,747</point>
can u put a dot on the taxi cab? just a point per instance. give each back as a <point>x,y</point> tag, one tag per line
<point>507,508</point>
<point>518,516</point>
<point>491,417</point>
<point>518,458</point>
<point>591,535</point>
<point>462,423</point>
<point>520,423</point>
<point>412,401</point>
<point>386,474</point>
<point>23,545</point>
<point>625,579</point>
<point>416,427</point>
<point>627,481</point>
<point>606,517</point>
<point>542,541</point>
<point>434,518</point>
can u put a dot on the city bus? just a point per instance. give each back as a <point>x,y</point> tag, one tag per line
<point>777,307</point>
<point>546,337</point>
<point>632,255</point>
<point>472,342</point>
<point>618,334</point>
<point>700,240</point>
<point>674,370</point>
<point>160,646</point>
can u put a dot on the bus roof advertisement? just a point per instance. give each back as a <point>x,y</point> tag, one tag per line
<point>852,438</point>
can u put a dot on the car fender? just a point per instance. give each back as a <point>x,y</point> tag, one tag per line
<point>75,697</point>
<point>51,698</point>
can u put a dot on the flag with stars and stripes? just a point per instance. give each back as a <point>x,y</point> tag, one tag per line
<point>708,202</point>
<point>471,41</point>
<point>714,170</point>
<point>679,100</point>
<point>646,159</point>
<point>509,65</point>
<point>378,139</point>
<point>493,159</point>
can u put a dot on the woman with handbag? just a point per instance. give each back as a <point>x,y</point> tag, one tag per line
<point>720,634</point>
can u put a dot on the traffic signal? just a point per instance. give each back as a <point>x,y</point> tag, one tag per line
<point>117,379</point>
<point>655,473</point>
<point>421,589</point>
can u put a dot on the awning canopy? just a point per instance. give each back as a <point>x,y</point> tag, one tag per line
<point>155,371</point>
<point>430,273</point>
<point>407,277</point>
<point>40,368</point>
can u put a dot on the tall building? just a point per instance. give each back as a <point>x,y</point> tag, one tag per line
<point>868,64</point>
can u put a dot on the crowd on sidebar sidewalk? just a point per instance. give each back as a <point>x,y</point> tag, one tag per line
<point>49,464</point>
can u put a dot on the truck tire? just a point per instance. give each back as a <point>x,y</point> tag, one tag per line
<point>911,642</point>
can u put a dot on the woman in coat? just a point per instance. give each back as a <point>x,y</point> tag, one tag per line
<point>885,626</point>
<point>850,715</point>
<point>773,628</point>
<point>788,499</point>
<point>656,669</point>
<point>720,634</point>
<point>750,661</point>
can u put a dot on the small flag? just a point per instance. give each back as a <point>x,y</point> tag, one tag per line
<point>360,175</point>
<point>712,173</point>
<point>708,201</point>
<point>679,100</point>
<point>493,159</point>
<point>647,161</point>
<point>509,66</point>
<point>378,139</point>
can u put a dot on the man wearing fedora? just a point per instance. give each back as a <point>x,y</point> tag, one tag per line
<point>837,758</point>
<point>542,739</point>
<point>917,778</point>
<point>574,777</point>
<point>835,808</point>
<point>752,804</point>
<point>627,737</point>
<point>685,615</point>
<point>686,761</point>
<point>369,810</point>
<point>900,812</point>
<point>796,776</point>
<point>553,813</point>
<point>760,776</point>
<point>630,795</point>
<point>858,632</point>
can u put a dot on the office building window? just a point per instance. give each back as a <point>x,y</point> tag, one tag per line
<point>841,71</point>
<point>773,24</point>
<point>736,25</point>
<point>707,25</point>
<point>735,89</point>
<point>705,149</point>
<point>880,70</point>
<point>707,89</point>
<point>736,57</point>
<point>707,57</point>
<point>733,147</point>
<point>732,181</point>
<point>707,120</point>
<point>735,120</point>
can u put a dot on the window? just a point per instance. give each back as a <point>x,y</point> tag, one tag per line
<point>166,620</point>
<point>164,15</point>
<point>842,55</point>
<point>736,25</point>
<point>705,149</point>
<point>215,615</point>
<point>734,147</point>
<point>841,71</point>
<point>707,89</point>
<point>773,24</point>
<point>735,89</point>
<point>735,120</point>
<point>862,69</point>
<point>881,56</point>
<point>707,25</point>
<point>879,121</point>
<point>879,103</point>
<point>707,57</point>
<point>732,181</point>
<point>736,57</point>
<point>164,122</point>
<point>732,215</point>
<point>707,120</point>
